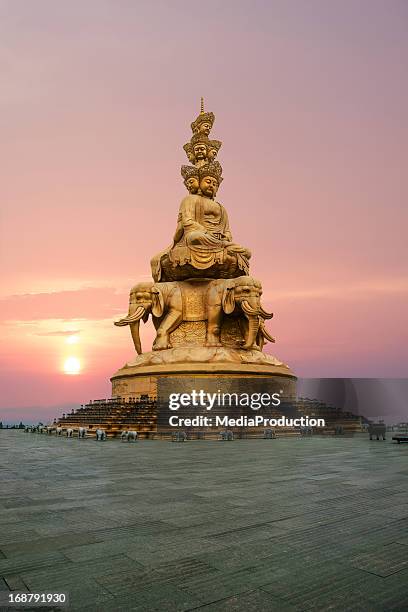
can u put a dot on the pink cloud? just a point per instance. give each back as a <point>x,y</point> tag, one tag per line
<point>60,332</point>
<point>86,303</point>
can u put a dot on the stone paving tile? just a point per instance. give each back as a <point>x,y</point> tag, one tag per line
<point>401,539</point>
<point>46,544</point>
<point>15,583</point>
<point>99,550</point>
<point>169,549</point>
<point>394,511</point>
<point>246,534</point>
<point>120,584</point>
<point>321,586</point>
<point>87,592</point>
<point>141,528</point>
<point>310,521</point>
<point>3,585</point>
<point>71,574</point>
<point>18,565</point>
<point>243,556</point>
<point>17,533</point>
<point>253,601</point>
<point>220,526</point>
<point>383,561</point>
<point>390,594</point>
<point>335,546</point>
<point>196,518</point>
<point>213,587</point>
<point>162,598</point>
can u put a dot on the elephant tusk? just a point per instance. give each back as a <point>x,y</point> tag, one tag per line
<point>264,314</point>
<point>248,310</point>
<point>265,333</point>
<point>136,316</point>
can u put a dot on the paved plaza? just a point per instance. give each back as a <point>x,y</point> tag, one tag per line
<point>289,524</point>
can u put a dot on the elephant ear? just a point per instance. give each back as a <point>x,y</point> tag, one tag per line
<point>228,299</point>
<point>157,302</point>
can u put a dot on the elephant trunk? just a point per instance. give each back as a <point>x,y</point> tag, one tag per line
<point>134,330</point>
<point>253,327</point>
<point>133,320</point>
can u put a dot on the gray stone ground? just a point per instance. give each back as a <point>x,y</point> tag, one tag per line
<point>287,524</point>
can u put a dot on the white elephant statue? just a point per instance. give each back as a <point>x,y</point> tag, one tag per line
<point>100,434</point>
<point>82,431</point>
<point>179,436</point>
<point>59,431</point>
<point>70,433</point>
<point>226,435</point>
<point>129,436</point>
<point>269,434</point>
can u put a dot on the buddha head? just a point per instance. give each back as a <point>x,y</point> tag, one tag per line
<point>201,146</point>
<point>188,148</point>
<point>203,123</point>
<point>191,178</point>
<point>204,128</point>
<point>200,151</point>
<point>214,147</point>
<point>209,186</point>
<point>210,179</point>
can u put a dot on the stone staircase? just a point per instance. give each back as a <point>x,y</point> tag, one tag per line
<point>114,416</point>
<point>139,414</point>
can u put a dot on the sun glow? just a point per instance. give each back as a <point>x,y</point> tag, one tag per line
<point>72,365</point>
<point>72,339</point>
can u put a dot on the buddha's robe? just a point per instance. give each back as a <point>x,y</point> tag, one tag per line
<point>202,239</point>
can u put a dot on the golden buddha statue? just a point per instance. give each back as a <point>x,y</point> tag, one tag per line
<point>203,240</point>
<point>203,303</point>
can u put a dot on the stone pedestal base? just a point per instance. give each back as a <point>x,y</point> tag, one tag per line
<point>228,372</point>
<point>141,376</point>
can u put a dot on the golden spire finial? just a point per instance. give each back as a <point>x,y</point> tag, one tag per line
<point>203,118</point>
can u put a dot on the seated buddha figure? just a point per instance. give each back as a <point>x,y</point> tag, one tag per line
<point>202,245</point>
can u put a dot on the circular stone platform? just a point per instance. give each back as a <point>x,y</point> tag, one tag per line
<point>141,375</point>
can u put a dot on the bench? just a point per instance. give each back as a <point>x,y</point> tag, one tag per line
<point>400,438</point>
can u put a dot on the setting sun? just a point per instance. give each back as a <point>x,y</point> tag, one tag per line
<point>72,365</point>
<point>72,339</point>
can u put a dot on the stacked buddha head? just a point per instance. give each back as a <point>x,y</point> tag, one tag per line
<point>202,244</point>
<point>200,150</point>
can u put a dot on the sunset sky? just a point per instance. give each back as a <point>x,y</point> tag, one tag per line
<point>97,98</point>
